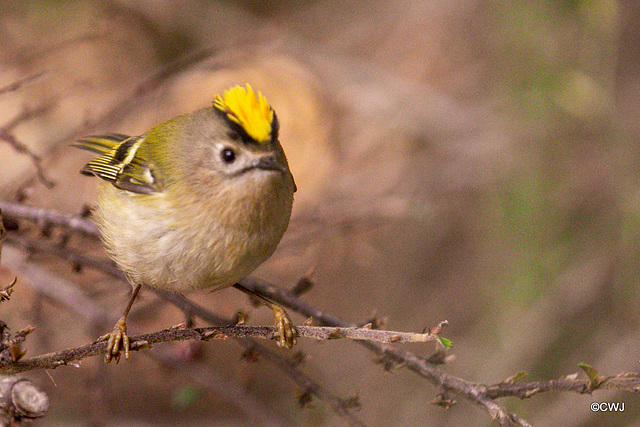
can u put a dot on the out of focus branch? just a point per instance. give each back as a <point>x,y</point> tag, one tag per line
<point>47,216</point>
<point>3,233</point>
<point>18,84</point>
<point>6,135</point>
<point>5,293</point>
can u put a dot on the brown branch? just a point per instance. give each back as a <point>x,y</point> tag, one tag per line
<point>25,115</point>
<point>22,148</point>
<point>73,297</point>
<point>362,334</point>
<point>479,394</point>
<point>625,382</point>
<point>180,333</point>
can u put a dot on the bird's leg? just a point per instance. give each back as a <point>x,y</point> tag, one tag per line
<point>287,335</point>
<point>119,334</point>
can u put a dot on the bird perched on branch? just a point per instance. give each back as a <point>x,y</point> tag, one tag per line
<point>199,201</point>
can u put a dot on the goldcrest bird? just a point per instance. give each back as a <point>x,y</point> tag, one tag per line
<point>199,201</point>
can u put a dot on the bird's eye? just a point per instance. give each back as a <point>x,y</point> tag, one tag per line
<point>228,155</point>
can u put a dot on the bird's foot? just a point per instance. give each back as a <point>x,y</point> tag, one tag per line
<point>287,335</point>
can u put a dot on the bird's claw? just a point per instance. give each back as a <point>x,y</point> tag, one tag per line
<point>118,340</point>
<point>287,335</point>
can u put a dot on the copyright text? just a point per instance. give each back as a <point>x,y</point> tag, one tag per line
<point>607,406</point>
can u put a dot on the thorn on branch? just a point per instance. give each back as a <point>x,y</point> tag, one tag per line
<point>443,401</point>
<point>438,328</point>
<point>376,322</point>
<point>528,393</point>
<point>179,326</point>
<point>240,318</point>
<point>5,294</point>
<point>395,338</point>
<point>10,349</point>
<point>140,345</point>
<point>334,334</point>
<point>213,335</point>
<point>515,378</point>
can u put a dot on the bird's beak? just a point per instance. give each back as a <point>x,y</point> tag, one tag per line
<point>270,163</point>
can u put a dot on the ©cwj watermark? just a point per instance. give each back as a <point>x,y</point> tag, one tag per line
<point>607,406</point>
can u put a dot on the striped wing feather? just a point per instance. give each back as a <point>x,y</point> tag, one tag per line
<point>119,163</point>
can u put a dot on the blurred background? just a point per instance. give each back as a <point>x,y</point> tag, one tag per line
<point>474,161</point>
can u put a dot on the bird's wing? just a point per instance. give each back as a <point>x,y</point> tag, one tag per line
<point>119,162</point>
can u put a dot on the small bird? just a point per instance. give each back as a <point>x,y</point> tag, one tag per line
<point>199,201</point>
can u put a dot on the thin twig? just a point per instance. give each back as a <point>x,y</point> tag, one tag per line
<point>625,381</point>
<point>6,134</point>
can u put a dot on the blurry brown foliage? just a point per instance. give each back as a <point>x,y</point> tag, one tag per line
<point>474,161</point>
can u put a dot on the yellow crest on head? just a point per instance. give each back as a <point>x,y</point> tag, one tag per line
<point>252,112</point>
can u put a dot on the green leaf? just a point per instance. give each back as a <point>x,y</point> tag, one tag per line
<point>446,343</point>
